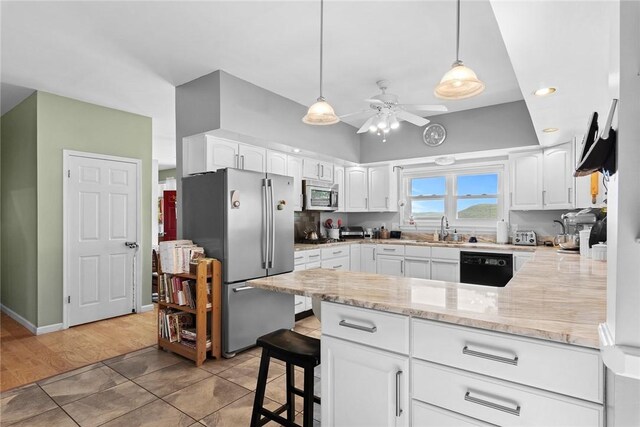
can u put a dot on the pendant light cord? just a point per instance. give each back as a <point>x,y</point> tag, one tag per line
<point>321,34</point>
<point>457,35</point>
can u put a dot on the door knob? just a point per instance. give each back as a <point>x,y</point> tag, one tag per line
<point>132,245</point>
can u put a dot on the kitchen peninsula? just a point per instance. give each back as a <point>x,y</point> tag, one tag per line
<point>404,351</point>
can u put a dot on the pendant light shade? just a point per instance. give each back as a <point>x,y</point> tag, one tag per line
<point>460,81</point>
<point>321,113</point>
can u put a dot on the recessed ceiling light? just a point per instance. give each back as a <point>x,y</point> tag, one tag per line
<point>296,150</point>
<point>445,161</point>
<point>549,130</point>
<point>544,91</point>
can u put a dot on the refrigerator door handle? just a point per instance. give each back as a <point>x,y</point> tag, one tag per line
<point>272,249</point>
<point>265,218</point>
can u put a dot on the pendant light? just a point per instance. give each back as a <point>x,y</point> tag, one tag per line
<point>321,113</point>
<point>460,81</point>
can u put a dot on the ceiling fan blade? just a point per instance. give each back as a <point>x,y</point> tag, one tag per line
<point>358,113</point>
<point>365,126</point>
<point>423,107</point>
<point>373,101</point>
<point>411,118</point>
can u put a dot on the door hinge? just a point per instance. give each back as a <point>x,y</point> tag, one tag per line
<point>69,299</point>
<point>68,173</point>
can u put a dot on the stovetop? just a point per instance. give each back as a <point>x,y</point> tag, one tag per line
<point>320,241</point>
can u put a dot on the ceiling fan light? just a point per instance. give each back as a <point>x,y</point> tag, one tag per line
<point>458,83</point>
<point>394,123</point>
<point>321,113</point>
<point>373,128</point>
<point>383,124</point>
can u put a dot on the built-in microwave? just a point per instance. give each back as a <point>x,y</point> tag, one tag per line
<point>319,196</point>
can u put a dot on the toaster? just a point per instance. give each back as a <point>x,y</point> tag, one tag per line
<point>525,238</point>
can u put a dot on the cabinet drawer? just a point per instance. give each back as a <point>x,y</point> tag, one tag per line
<point>424,415</point>
<point>570,370</point>
<point>498,402</point>
<point>312,265</point>
<point>384,249</point>
<point>313,255</point>
<point>335,252</point>
<point>299,257</point>
<point>417,251</point>
<point>371,327</point>
<point>341,263</point>
<point>445,253</point>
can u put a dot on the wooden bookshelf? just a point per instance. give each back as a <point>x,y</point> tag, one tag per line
<point>213,325</point>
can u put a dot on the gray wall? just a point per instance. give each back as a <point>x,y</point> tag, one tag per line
<point>252,111</point>
<point>498,126</point>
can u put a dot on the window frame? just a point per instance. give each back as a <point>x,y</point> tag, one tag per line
<point>450,196</point>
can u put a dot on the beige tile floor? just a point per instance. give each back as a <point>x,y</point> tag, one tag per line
<point>155,388</point>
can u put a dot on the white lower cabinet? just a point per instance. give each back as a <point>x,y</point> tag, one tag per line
<point>368,258</point>
<point>424,415</point>
<point>445,269</point>
<point>354,258</point>
<point>390,265</point>
<point>418,268</point>
<point>341,263</point>
<point>520,259</point>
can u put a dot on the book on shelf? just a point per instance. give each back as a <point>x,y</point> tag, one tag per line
<point>172,322</point>
<point>188,338</point>
<point>176,255</point>
<point>175,290</point>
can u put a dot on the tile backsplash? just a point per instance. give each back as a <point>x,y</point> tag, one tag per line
<point>305,220</point>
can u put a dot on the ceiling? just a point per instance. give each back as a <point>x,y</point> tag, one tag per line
<point>131,55</point>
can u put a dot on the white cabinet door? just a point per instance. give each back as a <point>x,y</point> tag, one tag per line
<point>379,188</point>
<point>194,158</point>
<point>424,415</point>
<point>310,169</point>
<point>417,268</point>
<point>277,162</point>
<point>526,180</point>
<point>294,169</point>
<point>364,386</point>
<point>519,260</point>
<point>221,154</point>
<point>299,301</point>
<point>338,178</point>
<point>356,196</point>
<point>326,171</point>
<point>368,258</point>
<point>354,258</point>
<point>445,269</point>
<point>390,265</point>
<point>558,177</point>
<point>253,158</point>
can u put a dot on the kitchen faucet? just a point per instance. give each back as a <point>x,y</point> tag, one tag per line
<point>444,231</point>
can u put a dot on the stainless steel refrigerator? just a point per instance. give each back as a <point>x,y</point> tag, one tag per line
<point>244,219</point>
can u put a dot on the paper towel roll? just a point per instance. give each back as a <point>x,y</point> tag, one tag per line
<point>584,243</point>
<point>502,232</point>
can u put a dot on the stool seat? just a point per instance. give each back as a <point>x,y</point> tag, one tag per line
<point>292,344</point>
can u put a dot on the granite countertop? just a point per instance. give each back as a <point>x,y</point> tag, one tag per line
<point>556,297</point>
<point>465,245</point>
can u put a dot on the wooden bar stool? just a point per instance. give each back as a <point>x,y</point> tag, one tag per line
<point>295,350</point>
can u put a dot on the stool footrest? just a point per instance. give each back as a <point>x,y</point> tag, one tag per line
<point>300,393</point>
<point>273,416</point>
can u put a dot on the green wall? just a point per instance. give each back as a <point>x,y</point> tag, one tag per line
<point>64,123</point>
<point>167,173</point>
<point>18,288</point>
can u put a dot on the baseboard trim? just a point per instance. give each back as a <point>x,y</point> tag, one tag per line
<point>15,316</point>
<point>49,328</point>
<point>145,308</point>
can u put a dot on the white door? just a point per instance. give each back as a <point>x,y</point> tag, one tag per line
<point>368,258</point>
<point>277,162</point>
<point>294,169</point>
<point>253,158</point>
<point>390,265</point>
<point>310,169</point>
<point>221,154</point>
<point>102,203</point>
<point>356,196</point>
<point>558,177</point>
<point>417,268</point>
<point>379,186</point>
<point>445,269</point>
<point>526,180</point>
<point>365,386</point>
<point>338,178</point>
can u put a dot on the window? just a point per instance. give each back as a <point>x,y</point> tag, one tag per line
<point>466,196</point>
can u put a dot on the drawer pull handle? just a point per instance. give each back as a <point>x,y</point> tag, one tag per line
<point>337,252</point>
<point>493,357</point>
<point>242,288</point>
<point>389,249</point>
<point>299,257</point>
<point>492,405</point>
<point>314,256</point>
<point>370,329</point>
<point>300,302</point>
<point>398,397</point>
<point>337,266</point>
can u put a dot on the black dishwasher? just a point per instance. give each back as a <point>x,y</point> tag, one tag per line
<point>483,268</point>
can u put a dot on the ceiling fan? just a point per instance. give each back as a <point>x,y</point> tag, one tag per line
<point>387,113</point>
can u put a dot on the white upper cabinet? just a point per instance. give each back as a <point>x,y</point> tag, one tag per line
<point>277,162</point>
<point>222,154</point>
<point>558,177</point>
<point>356,189</point>
<point>382,189</point>
<point>526,180</point>
<point>194,155</point>
<point>338,178</point>
<point>317,170</point>
<point>252,158</point>
<point>294,169</point>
